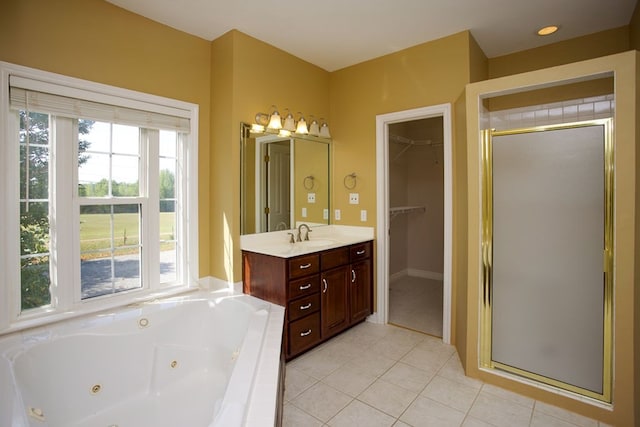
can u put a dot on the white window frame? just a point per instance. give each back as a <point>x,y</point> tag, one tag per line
<point>67,303</point>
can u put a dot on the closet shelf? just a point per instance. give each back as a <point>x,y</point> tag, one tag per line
<point>393,212</point>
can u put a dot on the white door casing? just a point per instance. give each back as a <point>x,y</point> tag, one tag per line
<point>383,221</point>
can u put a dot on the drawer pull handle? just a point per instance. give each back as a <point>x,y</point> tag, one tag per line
<point>304,334</point>
<point>360,252</point>
<point>353,276</point>
<point>303,266</point>
<point>324,291</point>
<point>305,287</point>
<point>305,307</point>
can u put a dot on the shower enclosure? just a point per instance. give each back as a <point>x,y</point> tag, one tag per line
<point>548,255</point>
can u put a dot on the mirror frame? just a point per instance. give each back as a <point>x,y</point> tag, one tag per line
<point>245,134</point>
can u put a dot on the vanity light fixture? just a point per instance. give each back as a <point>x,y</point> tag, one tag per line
<point>302,125</point>
<point>275,122</point>
<point>262,119</point>
<point>324,130</point>
<point>255,127</point>
<point>546,31</point>
<point>289,123</point>
<point>314,128</point>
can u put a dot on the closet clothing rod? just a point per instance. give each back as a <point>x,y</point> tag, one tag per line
<point>410,143</point>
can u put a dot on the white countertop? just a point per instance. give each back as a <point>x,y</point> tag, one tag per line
<point>277,243</point>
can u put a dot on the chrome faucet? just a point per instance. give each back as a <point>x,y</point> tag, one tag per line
<point>306,237</point>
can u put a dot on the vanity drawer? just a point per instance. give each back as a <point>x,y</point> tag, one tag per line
<point>304,286</point>
<point>304,265</point>
<point>361,251</point>
<point>303,306</point>
<point>334,258</point>
<point>304,333</point>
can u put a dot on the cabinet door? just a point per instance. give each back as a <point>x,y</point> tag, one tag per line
<point>334,308</point>
<point>360,290</point>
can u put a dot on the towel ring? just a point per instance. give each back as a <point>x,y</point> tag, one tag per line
<point>349,181</point>
<point>309,182</point>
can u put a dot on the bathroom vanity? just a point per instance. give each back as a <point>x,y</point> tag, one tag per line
<point>325,284</point>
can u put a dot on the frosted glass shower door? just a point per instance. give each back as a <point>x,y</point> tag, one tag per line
<point>547,223</point>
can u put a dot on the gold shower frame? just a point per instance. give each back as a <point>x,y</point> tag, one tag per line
<point>486,361</point>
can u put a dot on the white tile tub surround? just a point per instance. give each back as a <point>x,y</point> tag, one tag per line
<point>597,107</point>
<point>202,359</point>
<point>277,243</point>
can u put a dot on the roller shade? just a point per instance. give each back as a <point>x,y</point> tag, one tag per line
<point>59,100</point>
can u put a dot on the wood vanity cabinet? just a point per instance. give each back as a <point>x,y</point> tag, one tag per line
<point>324,292</point>
<point>361,297</point>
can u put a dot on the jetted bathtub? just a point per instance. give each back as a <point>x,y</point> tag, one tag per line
<point>205,359</point>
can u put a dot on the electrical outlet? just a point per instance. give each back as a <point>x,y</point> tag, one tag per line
<point>336,214</point>
<point>363,215</point>
<point>311,197</point>
<point>304,212</point>
<point>325,214</point>
<point>354,198</point>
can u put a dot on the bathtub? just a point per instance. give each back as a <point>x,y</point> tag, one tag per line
<point>204,359</point>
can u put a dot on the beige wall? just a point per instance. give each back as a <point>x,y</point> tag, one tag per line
<point>564,52</point>
<point>428,74</point>
<point>94,40</point>
<point>248,76</point>
<point>311,159</point>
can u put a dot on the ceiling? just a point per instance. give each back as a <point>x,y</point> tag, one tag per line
<point>334,34</point>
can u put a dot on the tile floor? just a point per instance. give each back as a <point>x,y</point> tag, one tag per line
<point>416,303</point>
<point>383,375</point>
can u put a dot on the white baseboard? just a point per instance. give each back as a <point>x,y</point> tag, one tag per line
<point>414,272</point>
<point>398,275</point>
<point>425,274</point>
<point>373,318</point>
<point>215,284</point>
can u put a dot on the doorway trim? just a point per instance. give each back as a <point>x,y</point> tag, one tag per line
<point>260,196</point>
<point>383,221</point>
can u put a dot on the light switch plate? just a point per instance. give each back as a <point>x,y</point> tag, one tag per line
<point>336,214</point>
<point>363,215</point>
<point>304,212</point>
<point>325,214</point>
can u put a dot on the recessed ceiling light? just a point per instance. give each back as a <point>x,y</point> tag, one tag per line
<point>547,30</point>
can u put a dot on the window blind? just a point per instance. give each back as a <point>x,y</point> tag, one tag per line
<point>36,95</point>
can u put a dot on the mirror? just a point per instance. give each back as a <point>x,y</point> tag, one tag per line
<point>284,181</point>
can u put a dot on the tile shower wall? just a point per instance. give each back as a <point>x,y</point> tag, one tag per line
<point>597,107</point>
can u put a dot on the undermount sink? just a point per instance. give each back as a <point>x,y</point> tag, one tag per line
<point>305,246</point>
<point>316,243</point>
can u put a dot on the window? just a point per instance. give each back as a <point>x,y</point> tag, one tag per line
<point>100,182</point>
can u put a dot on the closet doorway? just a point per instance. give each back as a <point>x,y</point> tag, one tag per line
<point>414,219</point>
